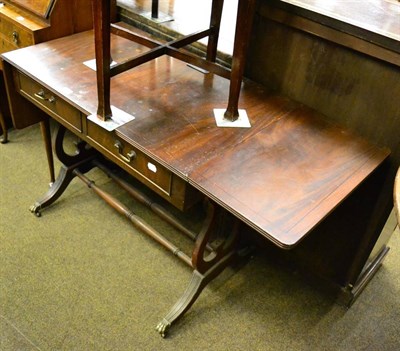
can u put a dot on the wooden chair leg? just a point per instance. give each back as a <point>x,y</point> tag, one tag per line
<point>154,9</point>
<point>101,25</point>
<point>244,24</point>
<point>215,23</point>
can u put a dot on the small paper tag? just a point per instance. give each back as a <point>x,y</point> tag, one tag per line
<point>242,121</point>
<point>118,118</point>
<point>92,64</point>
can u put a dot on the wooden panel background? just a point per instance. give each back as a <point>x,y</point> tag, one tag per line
<point>352,89</point>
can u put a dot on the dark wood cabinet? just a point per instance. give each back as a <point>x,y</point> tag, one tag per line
<point>24,23</point>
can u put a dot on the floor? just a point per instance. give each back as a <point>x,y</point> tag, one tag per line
<point>189,16</point>
<point>82,278</point>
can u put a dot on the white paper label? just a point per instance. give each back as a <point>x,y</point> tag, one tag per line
<point>152,167</point>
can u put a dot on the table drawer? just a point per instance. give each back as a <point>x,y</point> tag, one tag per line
<point>6,46</point>
<point>140,165</point>
<point>49,102</point>
<point>17,35</point>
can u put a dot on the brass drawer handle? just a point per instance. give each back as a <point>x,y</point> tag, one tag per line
<point>42,96</point>
<point>15,37</point>
<point>51,99</point>
<point>131,155</point>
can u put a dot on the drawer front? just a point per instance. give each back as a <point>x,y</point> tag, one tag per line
<point>6,46</point>
<point>143,167</point>
<point>18,36</point>
<point>49,102</point>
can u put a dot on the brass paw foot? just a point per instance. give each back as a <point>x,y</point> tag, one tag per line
<point>35,209</point>
<point>163,327</point>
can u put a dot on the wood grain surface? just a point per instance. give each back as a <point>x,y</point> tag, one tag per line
<point>282,176</point>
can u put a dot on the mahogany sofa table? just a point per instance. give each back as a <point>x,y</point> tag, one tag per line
<point>282,176</point>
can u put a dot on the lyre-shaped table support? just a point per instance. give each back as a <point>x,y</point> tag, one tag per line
<point>206,265</point>
<point>103,28</point>
<point>214,246</point>
<point>81,160</point>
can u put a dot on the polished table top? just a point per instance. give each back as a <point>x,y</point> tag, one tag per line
<point>374,20</point>
<point>282,176</point>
